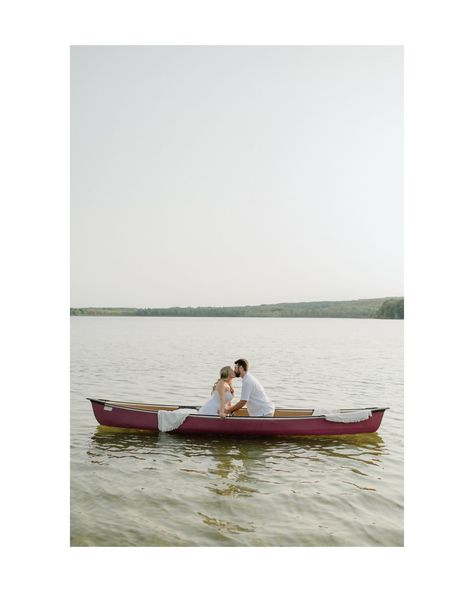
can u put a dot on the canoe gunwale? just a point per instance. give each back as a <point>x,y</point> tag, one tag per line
<point>124,406</point>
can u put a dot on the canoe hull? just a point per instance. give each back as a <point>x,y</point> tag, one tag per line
<point>119,417</point>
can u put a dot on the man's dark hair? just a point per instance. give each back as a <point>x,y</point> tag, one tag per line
<point>242,362</point>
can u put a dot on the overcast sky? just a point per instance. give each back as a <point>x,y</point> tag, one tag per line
<point>215,175</point>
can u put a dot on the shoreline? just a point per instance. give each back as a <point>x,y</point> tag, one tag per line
<point>375,308</point>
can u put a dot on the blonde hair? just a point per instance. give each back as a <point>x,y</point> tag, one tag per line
<point>225,372</point>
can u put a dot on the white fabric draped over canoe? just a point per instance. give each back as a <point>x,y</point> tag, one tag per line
<point>344,416</point>
<point>171,420</point>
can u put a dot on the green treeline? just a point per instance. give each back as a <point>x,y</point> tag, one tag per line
<point>392,309</point>
<point>376,308</point>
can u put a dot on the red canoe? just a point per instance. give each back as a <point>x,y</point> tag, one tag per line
<point>285,422</point>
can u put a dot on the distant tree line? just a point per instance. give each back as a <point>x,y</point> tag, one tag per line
<point>392,309</point>
<point>376,308</point>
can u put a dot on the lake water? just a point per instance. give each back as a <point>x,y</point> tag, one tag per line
<point>140,489</point>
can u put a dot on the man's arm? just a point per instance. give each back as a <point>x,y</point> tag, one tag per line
<point>238,405</point>
<point>244,397</point>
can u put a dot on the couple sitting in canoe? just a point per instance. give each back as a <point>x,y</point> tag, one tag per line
<point>253,394</point>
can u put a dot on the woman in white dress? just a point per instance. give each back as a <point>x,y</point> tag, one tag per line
<point>222,393</point>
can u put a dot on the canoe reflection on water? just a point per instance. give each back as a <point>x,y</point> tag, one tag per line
<point>232,457</point>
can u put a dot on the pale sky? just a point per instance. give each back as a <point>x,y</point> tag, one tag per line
<point>224,175</point>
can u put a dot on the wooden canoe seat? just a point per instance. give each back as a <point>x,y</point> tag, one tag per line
<point>279,412</point>
<point>293,412</point>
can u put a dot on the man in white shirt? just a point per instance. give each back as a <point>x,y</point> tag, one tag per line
<point>253,393</point>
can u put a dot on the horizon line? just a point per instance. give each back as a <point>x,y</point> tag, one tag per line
<point>244,305</point>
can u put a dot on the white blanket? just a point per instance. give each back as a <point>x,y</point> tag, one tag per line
<point>170,420</point>
<point>344,416</point>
